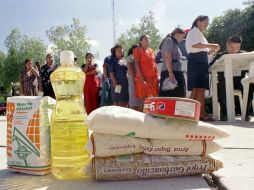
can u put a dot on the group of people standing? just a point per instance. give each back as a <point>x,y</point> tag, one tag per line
<point>36,79</point>
<point>127,81</point>
<point>143,78</point>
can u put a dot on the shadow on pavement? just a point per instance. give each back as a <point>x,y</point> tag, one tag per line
<point>13,181</point>
<point>238,123</point>
<point>10,180</point>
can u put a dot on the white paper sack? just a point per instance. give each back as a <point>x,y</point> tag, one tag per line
<point>102,145</point>
<point>127,122</point>
<point>28,134</point>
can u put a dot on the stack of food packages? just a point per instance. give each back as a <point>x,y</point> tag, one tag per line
<point>28,134</point>
<point>165,141</point>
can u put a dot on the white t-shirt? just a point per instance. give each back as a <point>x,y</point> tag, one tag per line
<point>195,36</point>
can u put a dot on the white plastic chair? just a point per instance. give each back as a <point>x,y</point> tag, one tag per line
<point>246,84</point>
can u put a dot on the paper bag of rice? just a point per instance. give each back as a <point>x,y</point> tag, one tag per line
<point>127,122</point>
<point>28,135</point>
<point>113,145</point>
<point>180,147</point>
<point>143,166</point>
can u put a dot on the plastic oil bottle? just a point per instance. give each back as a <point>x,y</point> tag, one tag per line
<point>69,133</point>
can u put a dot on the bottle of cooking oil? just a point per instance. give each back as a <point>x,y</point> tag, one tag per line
<point>69,133</point>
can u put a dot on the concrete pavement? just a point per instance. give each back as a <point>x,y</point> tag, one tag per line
<point>11,181</point>
<point>3,131</point>
<point>17,181</point>
<point>237,174</point>
<point>237,156</point>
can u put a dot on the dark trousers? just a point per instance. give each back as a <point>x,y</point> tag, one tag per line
<point>179,91</point>
<point>237,86</point>
<point>106,99</point>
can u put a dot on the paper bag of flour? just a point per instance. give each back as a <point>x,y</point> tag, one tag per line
<point>28,134</point>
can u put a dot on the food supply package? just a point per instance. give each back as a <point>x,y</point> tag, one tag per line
<point>121,121</point>
<point>113,145</point>
<point>102,145</point>
<point>143,166</point>
<point>173,107</point>
<point>28,134</point>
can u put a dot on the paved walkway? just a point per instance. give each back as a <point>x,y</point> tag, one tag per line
<point>11,181</point>
<point>237,156</point>
<point>237,174</point>
<point>3,131</point>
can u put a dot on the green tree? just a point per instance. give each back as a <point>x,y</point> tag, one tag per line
<point>70,37</point>
<point>33,48</point>
<point>248,2</point>
<point>145,26</point>
<point>248,32</point>
<point>11,69</point>
<point>234,22</point>
<point>2,58</point>
<point>20,47</point>
<point>13,40</point>
<point>222,27</point>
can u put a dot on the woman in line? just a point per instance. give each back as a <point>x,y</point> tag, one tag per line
<point>172,82</point>
<point>197,75</point>
<point>134,102</point>
<point>91,85</point>
<point>118,73</point>
<point>45,72</point>
<point>146,80</point>
<point>28,79</point>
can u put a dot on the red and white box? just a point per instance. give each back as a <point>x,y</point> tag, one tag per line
<point>173,107</point>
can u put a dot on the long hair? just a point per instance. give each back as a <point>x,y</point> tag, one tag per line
<point>49,54</point>
<point>141,38</point>
<point>175,31</point>
<point>88,53</point>
<point>199,18</point>
<point>26,61</point>
<point>114,49</point>
<point>130,52</point>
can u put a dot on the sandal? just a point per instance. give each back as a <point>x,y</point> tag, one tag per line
<point>207,118</point>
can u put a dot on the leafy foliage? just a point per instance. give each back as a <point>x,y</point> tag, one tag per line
<point>234,22</point>
<point>70,37</point>
<point>20,47</point>
<point>146,26</point>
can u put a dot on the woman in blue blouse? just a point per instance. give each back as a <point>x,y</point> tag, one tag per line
<point>118,73</point>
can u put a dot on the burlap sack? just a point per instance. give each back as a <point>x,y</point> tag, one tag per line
<point>127,122</point>
<point>113,145</point>
<point>143,166</point>
<point>28,134</point>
